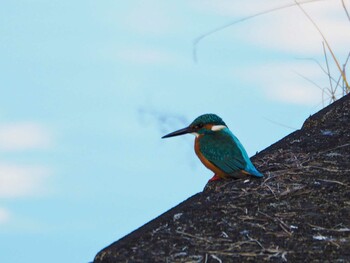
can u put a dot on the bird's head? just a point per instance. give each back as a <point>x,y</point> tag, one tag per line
<point>204,124</point>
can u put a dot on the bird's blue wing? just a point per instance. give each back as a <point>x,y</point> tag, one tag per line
<point>225,151</point>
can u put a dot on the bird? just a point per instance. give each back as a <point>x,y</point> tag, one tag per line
<point>218,148</point>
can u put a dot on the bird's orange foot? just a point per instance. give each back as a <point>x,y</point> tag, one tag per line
<point>214,178</point>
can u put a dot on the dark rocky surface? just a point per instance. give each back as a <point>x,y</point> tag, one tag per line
<point>299,212</point>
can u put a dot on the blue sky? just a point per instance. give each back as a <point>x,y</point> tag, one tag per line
<point>89,87</point>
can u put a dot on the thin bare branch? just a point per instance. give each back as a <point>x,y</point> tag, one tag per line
<point>346,91</point>
<point>345,9</point>
<point>324,90</point>
<point>316,61</point>
<point>280,124</point>
<point>311,81</point>
<point>332,91</point>
<point>335,82</point>
<point>325,41</point>
<point>217,29</point>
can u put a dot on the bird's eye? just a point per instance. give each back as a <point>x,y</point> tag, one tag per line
<point>199,126</point>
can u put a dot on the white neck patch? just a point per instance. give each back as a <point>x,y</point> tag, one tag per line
<point>218,127</point>
<point>195,134</point>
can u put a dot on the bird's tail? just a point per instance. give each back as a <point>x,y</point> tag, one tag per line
<point>253,171</point>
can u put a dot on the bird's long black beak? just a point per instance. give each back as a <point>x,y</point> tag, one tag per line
<point>178,132</point>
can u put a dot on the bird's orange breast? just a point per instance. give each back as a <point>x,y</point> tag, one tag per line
<point>205,161</point>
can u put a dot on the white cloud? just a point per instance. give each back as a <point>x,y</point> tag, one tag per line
<point>22,180</point>
<point>5,215</point>
<point>236,8</point>
<point>290,30</point>
<point>24,136</point>
<point>286,30</point>
<point>294,93</point>
<point>280,81</point>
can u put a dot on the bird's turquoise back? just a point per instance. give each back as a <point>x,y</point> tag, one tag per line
<point>224,150</point>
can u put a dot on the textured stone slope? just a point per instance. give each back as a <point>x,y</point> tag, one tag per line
<point>300,210</point>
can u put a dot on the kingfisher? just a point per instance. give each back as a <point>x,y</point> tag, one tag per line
<point>218,149</point>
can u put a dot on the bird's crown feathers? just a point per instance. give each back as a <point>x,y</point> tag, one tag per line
<point>208,118</point>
